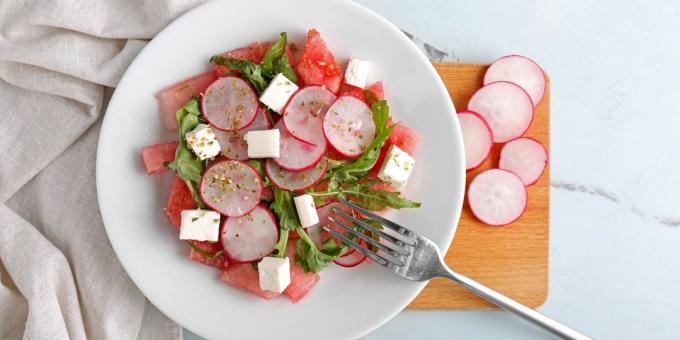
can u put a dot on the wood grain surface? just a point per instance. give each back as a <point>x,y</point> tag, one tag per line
<point>512,259</point>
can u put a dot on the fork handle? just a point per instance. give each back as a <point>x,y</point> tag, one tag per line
<point>515,307</point>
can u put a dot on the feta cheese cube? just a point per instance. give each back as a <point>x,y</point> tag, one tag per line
<point>200,225</point>
<point>263,143</point>
<point>397,167</point>
<point>276,95</point>
<point>357,72</point>
<point>203,142</point>
<point>274,273</point>
<point>306,210</point>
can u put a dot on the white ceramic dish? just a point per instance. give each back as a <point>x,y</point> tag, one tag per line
<point>346,303</point>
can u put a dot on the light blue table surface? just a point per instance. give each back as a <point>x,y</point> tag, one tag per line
<point>615,164</point>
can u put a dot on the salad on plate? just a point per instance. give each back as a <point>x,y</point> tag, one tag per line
<point>268,140</point>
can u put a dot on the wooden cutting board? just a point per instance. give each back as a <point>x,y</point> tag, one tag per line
<point>512,259</point>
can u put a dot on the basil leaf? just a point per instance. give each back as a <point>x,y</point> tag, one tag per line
<point>284,207</point>
<point>186,165</point>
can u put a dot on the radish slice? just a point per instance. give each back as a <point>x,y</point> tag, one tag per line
<point>295,155</point>
<point>233,143</point>
<point>476,138</point>
<point>305,111</point>
<point>250,237</point>
<point>351,258</point>
<point>232,188</point>
<point>230,104</point>
<point>506,107</point>
<point>526,157</point>
<point>348,126</point>
<point>295,180</point>
<point>521,71</point>
<point>497,197</point>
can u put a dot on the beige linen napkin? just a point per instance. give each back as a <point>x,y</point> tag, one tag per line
<point>59,61</point>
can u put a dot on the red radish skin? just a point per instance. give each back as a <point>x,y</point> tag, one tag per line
<point>506,107</point>
<point>230,104</point>
<point>497,197</point>
<point>180,199</point>
<point>233,144</point>
<point>174,97</point>
<point>155,156</point>
<point>525,157</point>
<point>519,70</point>
<point>304,113</point>
<point>295,155</point>
<point>352,260</point>
<point>348,126</point>
<point>295,180</point>
<point>477,139</point>
<point>232,188</point>
<point>250,237</point>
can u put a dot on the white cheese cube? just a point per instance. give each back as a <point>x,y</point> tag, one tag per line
<point>397,167</point>
<point>306,210</point>
<point>263,143</point>
<point>357,72</point>
<point>200,225</point>
<point>274,273</point>
<point>202,141</point>
<point>276,95</point>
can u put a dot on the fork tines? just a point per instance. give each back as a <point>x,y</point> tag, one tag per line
<point>393,249</point>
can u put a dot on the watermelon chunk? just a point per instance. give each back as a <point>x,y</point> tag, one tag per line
<point>176,96</point>
<point>154,156</point>
<point>220,262</point>
<point>180,199</point>
<point>317,66</point>
<point>403,137</point>
<point>300,282</point>
<point>376,88</point>
<point>243,276</point>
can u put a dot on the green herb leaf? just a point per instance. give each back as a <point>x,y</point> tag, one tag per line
<point>284,207</point>
<point>371,199</point>
<point>186,165</point>
<point>257,165</point>
<point>280,246</point>
<point>206,255</point>
<point>249,70</point>
<point>310,258</point>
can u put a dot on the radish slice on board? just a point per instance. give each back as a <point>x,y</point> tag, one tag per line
<point>305,111</point>
<point>233,143</point>
<point>348,126</point>
<point>295,180</point>
<point>230,104</point>
<point>476,138</point>
<point>232,188</point>
<point>497,197</point>
<point>506,107</point>
<point>526,157</point>
<point>295,155</point>
<point>521,71</point>
<point>250,237</point>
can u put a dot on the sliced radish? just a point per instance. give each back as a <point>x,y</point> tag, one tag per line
<point>525,157</point>
<point>352,259</point>
<point>476,138</point>
<point>348,126</point>
<point>295,155</point>
<point>521,71</point>
<point>250,237</point>
<point>233,143</point>
<point>497,197</point>
<point>305,111</point>
<point>230,104</point>
<point>506,107</point>
<point>232,188</point>
<point>295,180</point>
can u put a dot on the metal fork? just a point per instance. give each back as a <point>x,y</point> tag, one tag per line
<point>417,258</point>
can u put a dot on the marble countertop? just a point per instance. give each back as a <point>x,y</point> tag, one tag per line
<point>615,212</point>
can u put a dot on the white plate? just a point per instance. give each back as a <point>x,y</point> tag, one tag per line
<point>346,303</point>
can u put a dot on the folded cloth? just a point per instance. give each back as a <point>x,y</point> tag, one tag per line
<point>59,62</point>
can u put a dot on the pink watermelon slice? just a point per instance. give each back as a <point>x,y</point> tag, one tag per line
<point>220,262</point>
<point>154,156</point>
<point>180,199</point>
<point>243,276</point>
<point>175,96</point>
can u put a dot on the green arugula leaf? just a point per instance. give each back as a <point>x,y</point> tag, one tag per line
<point>257,165</point>
<point>310,258</point>
<point>186,165</point>
<point>280,246</point>
<point>284,207</point>
<point>206,255</point>
<point>371,199</point>
<point>274,62</point>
